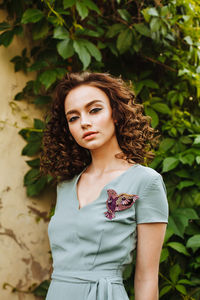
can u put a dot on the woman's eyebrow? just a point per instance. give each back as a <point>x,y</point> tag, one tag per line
<point>87,105</point>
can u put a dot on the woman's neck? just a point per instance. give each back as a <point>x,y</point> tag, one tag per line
<point>103,158</point>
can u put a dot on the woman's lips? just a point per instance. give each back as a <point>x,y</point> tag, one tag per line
<point>90,136</point>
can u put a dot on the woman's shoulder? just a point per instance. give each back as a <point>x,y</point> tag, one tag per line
<point>66,183</point>
<point>143,176</point>
<point>147,172</point>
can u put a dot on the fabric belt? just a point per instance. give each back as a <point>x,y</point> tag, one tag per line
<point>102,279</point>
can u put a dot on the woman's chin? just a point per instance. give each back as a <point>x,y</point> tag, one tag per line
<point>92,145</point>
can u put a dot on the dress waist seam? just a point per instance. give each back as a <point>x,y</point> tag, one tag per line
<point>85,276</point>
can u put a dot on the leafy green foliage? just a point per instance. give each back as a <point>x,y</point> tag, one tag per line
<point>155,45</point>
<point>34,182</point>
<point>32,16</point>
<point>41,290</point>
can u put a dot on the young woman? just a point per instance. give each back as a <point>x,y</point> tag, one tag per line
<point>108,204</point>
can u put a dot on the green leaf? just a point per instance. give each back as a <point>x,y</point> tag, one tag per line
<point>142,29</point>
<point>185,281</point>
<point>39,124</point>
<point>41,100</point>
<point>35,188</point>
<point>6,38</point>
<point>150,112</point>
<point>93,50</point>
<point>124,40</point>
<point>65,48</point>
<point>183,72</point>
<point>38,65</point>
<point>125,15</point>
<point>185,139</point>
<point>127,272</point>
<point>61,33</point>
<point>165,290</point>
<point>101,45</point>
<point>168,234</point>
<point>161,107</point>
<point>41,290</point>
<point>4,26</point>
<point>40,30</point>
<point>197,140</point>
<point>114,30</point>
<point>155,24</point>
<point>187,159</point>
<point>20,62</point>
<point>156,162</point>
<point>198,160</point>
<point>175,224</point>
<point>178,247</point>
<point>188,40</point>
<point>47,78</point>
<point>153,12</point>
<point>19,96</point>
<point>92,33</point>
<point>189,213</point>
<point>34,163</point>
<point>169,164</point>
<point>32,16</point>
<point>183,173</point>
<point>91,5</point>
<point>181,289</point>
<point>82,9</point>
<point>138,86</point>
<point>60,72</point>
<point>166,144</point>
<point>164,254</point>
<point>185,183</point>
<point>35,135</point>
<point>174,273</point>
<point>24,133</point>
<point>147,17</point>
<point>179,219</point>
<point>31,148</point>
<point>82,52</point>
<point>150,83</point>
<point>68,3</point>
<point>31,176</point>
<point>194,242</point>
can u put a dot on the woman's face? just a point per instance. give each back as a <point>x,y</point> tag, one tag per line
<point>89,117</point>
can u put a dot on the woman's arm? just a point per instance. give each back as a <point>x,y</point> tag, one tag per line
<point>150,238</point>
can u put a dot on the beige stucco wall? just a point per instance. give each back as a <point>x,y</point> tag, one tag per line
<point>24,245</point>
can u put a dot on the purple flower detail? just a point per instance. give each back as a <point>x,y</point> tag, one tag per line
<point>117,202</point>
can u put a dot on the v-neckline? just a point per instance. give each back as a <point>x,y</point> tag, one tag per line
<point>111,181</point>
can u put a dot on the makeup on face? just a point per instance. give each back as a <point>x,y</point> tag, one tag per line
<point>89,116</point>
<point>89,135</point>
<point>92,107</point>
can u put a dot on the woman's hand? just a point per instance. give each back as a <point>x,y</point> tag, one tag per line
<point>150,238</point>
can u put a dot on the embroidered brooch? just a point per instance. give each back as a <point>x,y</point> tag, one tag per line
<point>117,202</point>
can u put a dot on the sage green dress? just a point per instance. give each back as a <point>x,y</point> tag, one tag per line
<point>89,250</point>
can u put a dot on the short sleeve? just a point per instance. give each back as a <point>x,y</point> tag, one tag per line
<point>152,205</point>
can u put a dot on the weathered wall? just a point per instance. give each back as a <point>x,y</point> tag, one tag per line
<point>24,245</point>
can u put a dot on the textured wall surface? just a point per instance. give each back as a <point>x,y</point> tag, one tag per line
<point>24,245</point>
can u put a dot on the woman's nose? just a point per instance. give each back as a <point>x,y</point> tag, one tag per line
<point>85,121</point>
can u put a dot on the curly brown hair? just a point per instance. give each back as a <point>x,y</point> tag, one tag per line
<point>62,157</point>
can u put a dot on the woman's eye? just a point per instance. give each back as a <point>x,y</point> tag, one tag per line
<point>95,110</point>
<point>72,119</point>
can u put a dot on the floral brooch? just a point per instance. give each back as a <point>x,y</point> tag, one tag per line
<point>117,202</point>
